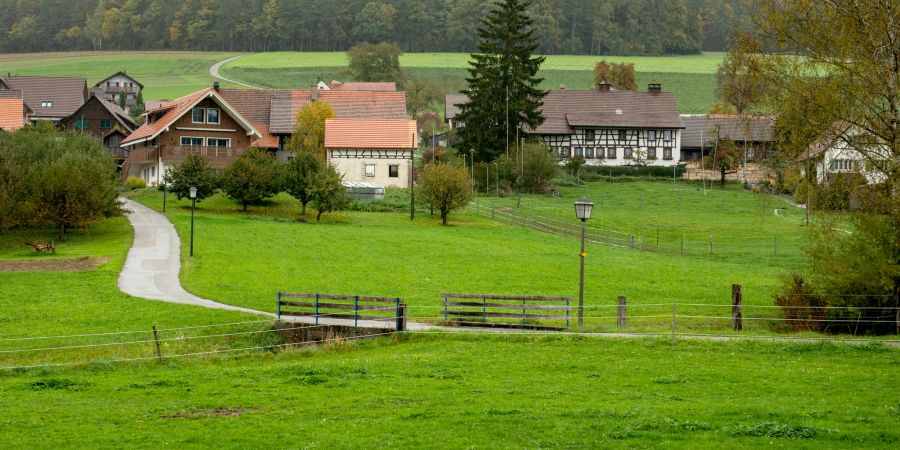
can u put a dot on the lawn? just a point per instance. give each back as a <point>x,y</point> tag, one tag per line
<point>692,77</point>
<point>386,254</point>
<point>464,392</point>
<point>165,75</point>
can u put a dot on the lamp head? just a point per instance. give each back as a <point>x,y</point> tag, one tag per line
<point>193,191</point>
<point>583,209</point>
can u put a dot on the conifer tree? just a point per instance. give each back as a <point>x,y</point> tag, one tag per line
<point>503,84</point>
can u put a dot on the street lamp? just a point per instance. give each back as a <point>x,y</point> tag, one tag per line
<point>193,192</point>
<point>583,209</point>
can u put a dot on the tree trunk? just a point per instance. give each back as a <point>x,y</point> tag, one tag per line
<point>303,208</point>
<point>244,204</point>
<point>319,215</point>
<point>722,180</point>
<point>62,231</point>
<point>444,214</point>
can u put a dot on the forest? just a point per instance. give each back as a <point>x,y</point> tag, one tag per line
<point>599,27</point>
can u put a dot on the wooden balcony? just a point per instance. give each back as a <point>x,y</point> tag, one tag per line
<point>117,152</point>
<point>215,156</point>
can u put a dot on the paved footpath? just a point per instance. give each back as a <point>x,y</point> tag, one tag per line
<point>154,261</point>
<point>214,71</point>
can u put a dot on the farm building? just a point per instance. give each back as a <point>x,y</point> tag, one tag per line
<point>752,133</point>
<point>48,98</point>
<point>377,151</point>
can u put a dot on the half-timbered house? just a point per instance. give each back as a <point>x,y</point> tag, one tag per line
<point>376,151</point>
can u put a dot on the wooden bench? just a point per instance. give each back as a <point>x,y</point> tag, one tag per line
<point>507,311</point>
<point>390,311</point>
<point>42,247</point>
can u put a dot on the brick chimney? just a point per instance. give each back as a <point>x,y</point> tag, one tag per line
<point>654,88</point>
<point>216,86</point>
<point>603,86</point>
<point>314,93</point>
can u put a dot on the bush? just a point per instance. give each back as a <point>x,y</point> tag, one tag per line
<point>252,178</point>
<point>328,191</point>
<point>134,182</point>
<point>539,167</point>
<point>801,308</point>
<point>298,177</point>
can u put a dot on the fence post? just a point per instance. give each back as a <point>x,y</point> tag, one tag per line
<point>673,321</point>
<point>567,312</point>
<point>445,309</point>
<point>156,340</point>
<point>278,307</point>
<point>523,312</point>
<point>657,237</point>
<point>493,210</point>
<point>775,246</point>
<point>710,245</point>
<point>483,309</point>
<point>317,309</point>
<point>356,311</point>
<point>737,307</point>
<point>402,316</point>
<point>622,313</point>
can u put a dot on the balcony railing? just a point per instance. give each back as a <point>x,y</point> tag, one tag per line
<point>217,157</point>
<point>117,152</point>
<point>117,89</point>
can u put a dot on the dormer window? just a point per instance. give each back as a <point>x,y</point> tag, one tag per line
<point>46,104</point>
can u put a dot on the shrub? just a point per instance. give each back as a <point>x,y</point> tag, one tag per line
<point>328,191</point>
<point>134,182</point>
<point>633,171</point>
<point>251,179</point>
<point>533,168</point>
<point>801,308</point>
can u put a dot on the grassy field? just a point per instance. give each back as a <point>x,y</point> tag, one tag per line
<point>464,392</point>
<point>165,75</point>
<point>386,254</point>
<point>692,77</point>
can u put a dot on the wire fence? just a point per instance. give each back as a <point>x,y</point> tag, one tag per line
<point>674,320</point>
<point>658,239</point>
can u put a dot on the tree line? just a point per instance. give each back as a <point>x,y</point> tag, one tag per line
<point>634,27</point>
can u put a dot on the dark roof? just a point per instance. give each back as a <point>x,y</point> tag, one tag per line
<point>451,105</point>
<point>121,116</point>
<point>735,127</point>
<point>121,72</point>
<point>66,94</point>
<point>566,109</point>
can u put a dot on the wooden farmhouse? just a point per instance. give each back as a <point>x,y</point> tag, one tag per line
<point>222,124</point>
<point>753,134</point>
<point>116,85</point>
<point>104,121</point>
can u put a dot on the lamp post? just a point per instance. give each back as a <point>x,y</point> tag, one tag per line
<point>193,192</point>
<point>497,169</point>
<point>583,209</point>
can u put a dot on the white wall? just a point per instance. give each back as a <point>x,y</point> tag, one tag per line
<point>353,169</point>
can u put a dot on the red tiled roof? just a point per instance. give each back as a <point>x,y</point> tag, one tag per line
<point>382,86</point>
<point>176,109</point>
<point>346,105</point>
<point>371,133</point>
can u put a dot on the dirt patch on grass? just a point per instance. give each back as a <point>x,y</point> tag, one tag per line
<point>202,413</point>
<point>53,265</point>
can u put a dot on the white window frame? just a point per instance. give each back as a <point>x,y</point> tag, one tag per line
<point>218,116</point>
<point>628,153</point>
<point>191,144</point>
<point>227,142</point>
<point>667,154</point>
<point>366,171</point>
<point>192,115</point>
<point>667,135</point>
<point>651,135</point>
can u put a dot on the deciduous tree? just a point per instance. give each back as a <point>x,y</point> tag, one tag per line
<point>299,178</point>
<point>375,62</point>
<point>194,171</point>
<point>251,178</point>
<point>445,187</point>
<point>619,75</point>
<point>724,156</point>
<point>309,131</point>
<point>329,191</point>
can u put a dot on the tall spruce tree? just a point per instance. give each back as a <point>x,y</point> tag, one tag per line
<point>502,73</point>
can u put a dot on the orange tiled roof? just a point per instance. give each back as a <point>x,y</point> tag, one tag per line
<point>371,133</point>
<point>346,105</point>
<point>12,110</point>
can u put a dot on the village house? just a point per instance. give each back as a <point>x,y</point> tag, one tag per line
<point>377,151</point>
<point>48,98</point>
<point>839,155</point>
<point>116,85</point>
<point>222,124</point>
<point>335,85</point>
<point>752,133</point>
<point>13,112</point>
<point>605,126</point>
<point>104,121</point>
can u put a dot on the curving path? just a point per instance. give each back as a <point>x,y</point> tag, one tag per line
<point>214,71</point>
<point>154,261</point>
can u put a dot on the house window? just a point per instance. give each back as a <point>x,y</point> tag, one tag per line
<point>394,171</point>
<point>564,152</point>
<point>191,141</point>
<point>105,124</point>
<point>197,115</point>
<point>841,164</point>
<point>589,135</point>
<point>629,153</point>
<point>131,96</point>
<point>370,170</point>
<point>651,135</point>
<point>589,153</point>
<point>667,154</point>
<point>81,123</point>
<point>611,153</point>
<point>212,115</point>
<point>217,142</point>
<point>579,152</point>
<point>667,135</point>
<point>651,153</point>
<point>46,104</point>
<point>601,152</point>
<point>622,136</point>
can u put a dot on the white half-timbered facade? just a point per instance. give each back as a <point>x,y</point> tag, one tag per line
<point>612,128</point>
<point>371,150</point>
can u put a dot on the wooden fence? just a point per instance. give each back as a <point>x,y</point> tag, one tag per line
<point>327,307</point>
<point>507,311</point>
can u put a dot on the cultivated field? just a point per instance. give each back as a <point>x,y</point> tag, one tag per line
<point>691,77</point>
<point>165,75</point>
